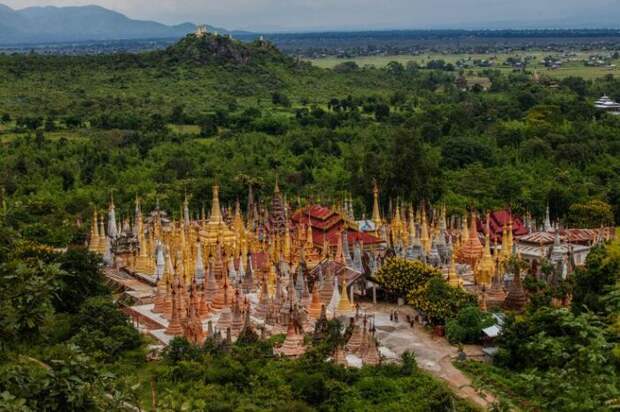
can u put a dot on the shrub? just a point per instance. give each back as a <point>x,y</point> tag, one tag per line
<point>439,301</point>
<point>104,331</point>
<point>467,326</point>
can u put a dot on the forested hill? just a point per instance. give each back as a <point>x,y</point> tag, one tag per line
<point>212,48</point>
<point>191,50</point>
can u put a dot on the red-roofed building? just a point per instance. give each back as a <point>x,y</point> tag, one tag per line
<point>327,225</point>
<point>497,221</point>
<point>575,236</point>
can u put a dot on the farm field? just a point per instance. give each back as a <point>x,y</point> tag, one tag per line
<point>573,67</point>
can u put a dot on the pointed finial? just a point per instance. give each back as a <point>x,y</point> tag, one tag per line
<point>276,189</point>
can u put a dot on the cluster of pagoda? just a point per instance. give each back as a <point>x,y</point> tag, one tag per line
<point>272,237</point>
<point>311,234</point>
<point>361,343</point>
<point>211,263</point>
<point>221,279</point>
<point>276,268</point>
<point>410,235</point>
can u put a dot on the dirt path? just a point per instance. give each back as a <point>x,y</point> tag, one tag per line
<point>433,354</point>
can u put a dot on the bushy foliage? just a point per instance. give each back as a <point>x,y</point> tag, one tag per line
<point>28,286</point>
<point>553,338</point>
<point>424,288</point>
<point>54,310</point>
<point>562,361</point>
<point>467,325</point>
<point>401,276</point>
<point>64,379</point>
<point>596,279</point>
<point>26,291</point>
<point>558,359</point>
<point>594,214</point>
<point>439,301</point>
<point>413,131</point>
<point>104,332</point>
<point>248,374</point>
<point>81,278</point>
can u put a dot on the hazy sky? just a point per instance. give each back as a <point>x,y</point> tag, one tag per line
<point>343,14</point>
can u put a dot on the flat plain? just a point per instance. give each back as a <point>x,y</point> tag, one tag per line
<point>572,64</point>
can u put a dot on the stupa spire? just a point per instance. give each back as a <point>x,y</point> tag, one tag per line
<point>112,225</point>
<point>424,235</point>
<point>287,243</point>
<point>486,267</point>
<point>376,216</point>
<point>547,222</point>
<point>314,310</point>
<point>339,253</point>
<point>344,304</point>
<point>276,187</point>
<point>516,298</point>
<point>174,326</point>
<point>216,209</point>
<point>453,277</point>
<point>186,219</point>
<point>293,345</point>
<point>94,241</point>
<point>371,354</point>
<point>200,266</point>
<point>309,237</point>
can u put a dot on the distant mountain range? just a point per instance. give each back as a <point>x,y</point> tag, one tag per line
<point>73,24</point>
<point>49,24</point>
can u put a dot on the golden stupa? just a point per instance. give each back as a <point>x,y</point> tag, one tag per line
<point>215,229</point>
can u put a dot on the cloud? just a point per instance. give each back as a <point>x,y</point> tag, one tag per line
<point>337,14</point>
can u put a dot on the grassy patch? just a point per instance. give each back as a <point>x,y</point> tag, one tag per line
<point>74,135</point>
<point>495,380</point>
<point>184,129</point>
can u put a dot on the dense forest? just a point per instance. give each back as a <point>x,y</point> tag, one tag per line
<point>74,130</point>
<point>167,122</point>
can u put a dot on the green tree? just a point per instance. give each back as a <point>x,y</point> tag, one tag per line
<point>593,214</point>
<point>467,325</point>
<point>80,279</point>
<point>104,331</point>
<point>65,380</point>
<point>592,282</point>
<point>439,301</point>
<point>400,276</point>
<point>280,99</point>
<point>26,290</point>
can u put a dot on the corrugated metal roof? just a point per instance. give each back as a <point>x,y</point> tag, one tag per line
<point>492,331</point>
<point>566,235</point>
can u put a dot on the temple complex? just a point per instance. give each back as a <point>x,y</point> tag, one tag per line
<point>280,270</point>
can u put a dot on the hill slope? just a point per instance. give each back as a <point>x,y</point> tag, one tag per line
<point>219,49</point>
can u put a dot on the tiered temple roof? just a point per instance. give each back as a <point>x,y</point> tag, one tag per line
<point>498,222</point>
<point>328,225</point>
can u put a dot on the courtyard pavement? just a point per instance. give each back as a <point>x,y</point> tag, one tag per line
<point>433,354</point>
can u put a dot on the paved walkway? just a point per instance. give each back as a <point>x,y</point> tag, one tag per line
<point>433,354</point>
